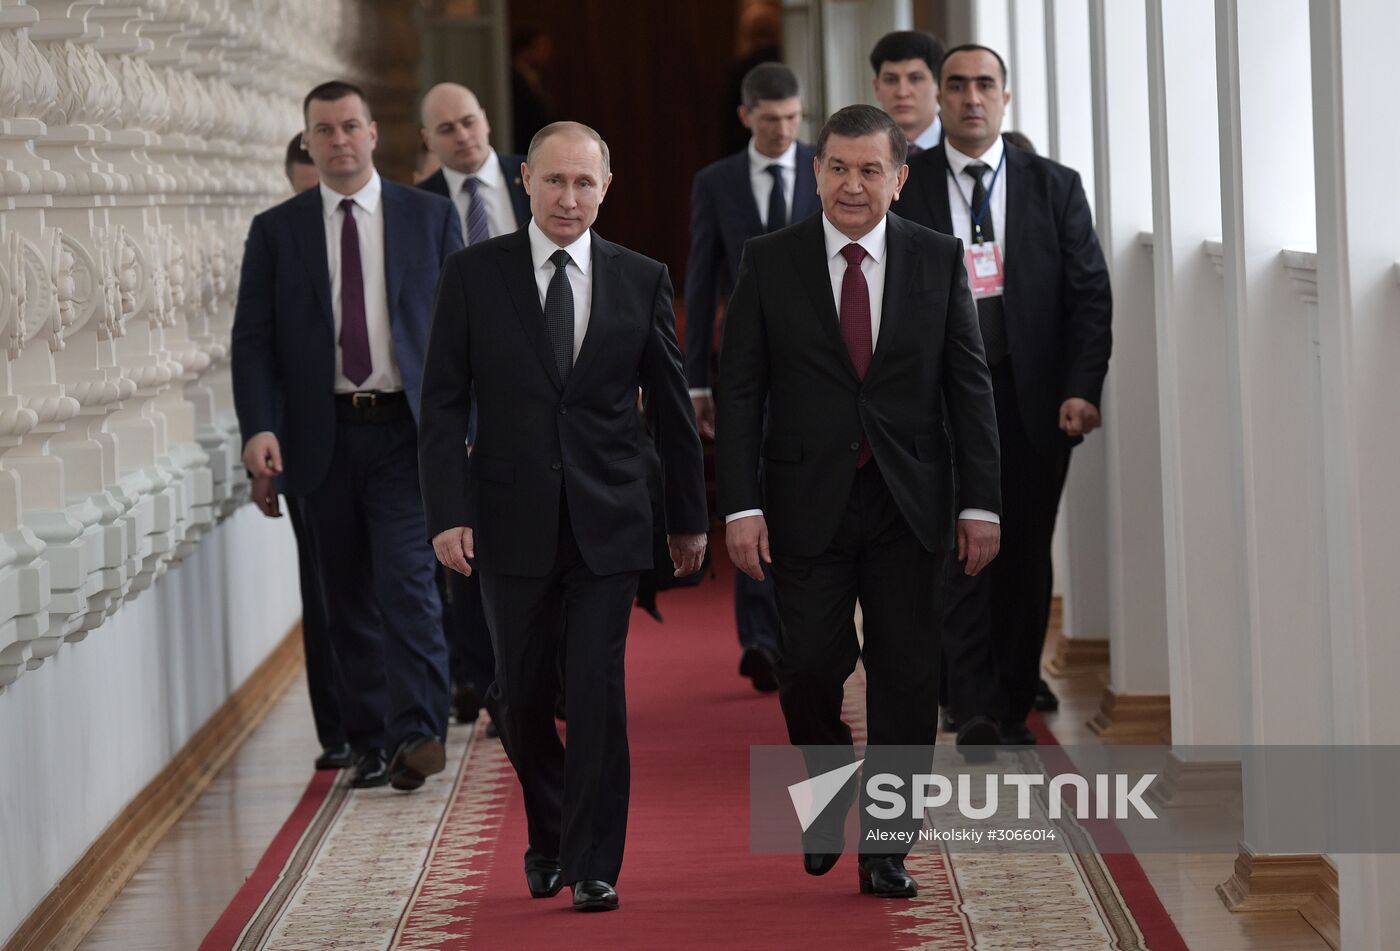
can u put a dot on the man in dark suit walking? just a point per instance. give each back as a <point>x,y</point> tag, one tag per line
<point>906,85</point>
<point>490,197</point>
<point>550,331</point>
<point>761,189</point>
<point>328,342</point>
<point>1045,309</point>
<point>852,327</point>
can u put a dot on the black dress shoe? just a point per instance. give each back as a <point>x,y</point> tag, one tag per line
<point>1045,699</point>
<point>418,758</point>
<point>758,667</point>
<point>371,769</point>
<point>819,863</point>
<point>976,739</point>
<point>594,896</point>
<point>544,878</point>
<point>336,756</point>
<point>1017,734</point>
<point>884,876</point>
<point>466,704</point>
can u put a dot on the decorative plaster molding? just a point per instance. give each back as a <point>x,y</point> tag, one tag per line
<point>1215,250</point>
<point>1147,239</point>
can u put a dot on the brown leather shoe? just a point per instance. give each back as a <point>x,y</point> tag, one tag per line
<point>418,758</point>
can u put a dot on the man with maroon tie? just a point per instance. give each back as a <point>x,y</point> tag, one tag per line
<point>329,336</point>
<point>856,327</point>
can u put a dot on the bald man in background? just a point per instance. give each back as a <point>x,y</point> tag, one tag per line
<point>486,188</point>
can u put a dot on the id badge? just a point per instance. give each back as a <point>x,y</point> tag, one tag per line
<point>984,271</point>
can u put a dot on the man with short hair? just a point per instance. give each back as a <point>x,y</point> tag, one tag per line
<point>487,190</point>
<point>485,186</point>
<point>301,170</point>
<point>328,340</point>
<point>1045,308</point>
<point>550,331</point>
<point>764,188</point>
<point>906,85</point>
<point>855,330</point>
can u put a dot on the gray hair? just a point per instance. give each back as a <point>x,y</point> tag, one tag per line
<point>854,122</point>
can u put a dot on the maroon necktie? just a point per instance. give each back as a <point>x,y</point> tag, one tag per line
<point>855,323</point>
<point>354,331</point>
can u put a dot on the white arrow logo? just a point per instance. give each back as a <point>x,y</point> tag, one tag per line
<point>811,796</point>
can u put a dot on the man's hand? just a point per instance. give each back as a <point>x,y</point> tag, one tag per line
<point>1079,417</point>
<point>262,455</point>
<point>747,540</point>
<point>704,415</point>
<point>454,548</point>
<point>265,496</point>
<point>687,552</point>
<point>978,543</point>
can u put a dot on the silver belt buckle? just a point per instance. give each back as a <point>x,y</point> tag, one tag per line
<point>363,399</point>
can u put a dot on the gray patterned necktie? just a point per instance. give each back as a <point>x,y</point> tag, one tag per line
<point>559,314</point>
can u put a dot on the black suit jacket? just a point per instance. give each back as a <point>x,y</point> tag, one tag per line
<point>723,215</point>
<point>536,437</point>
<point>782,343</point>
<point>283,344</point>
<point>510,169</point>
<point>1057,302</point>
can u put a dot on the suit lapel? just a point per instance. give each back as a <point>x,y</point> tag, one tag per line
<point>1018,190</point>
<point>899,271</point>
<point>816,281</point>
<point>310,233</point>
<point>519,201</point>
<point>742,188</point>
<point>935,189</point>
<point>519,271</point>
<point>805,203</point>
<point>395,253</point>
<point>605,282</point>
<point>436,183</point>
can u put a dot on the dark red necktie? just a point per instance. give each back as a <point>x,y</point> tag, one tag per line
<point>354,331</point>
<point>855,323</point>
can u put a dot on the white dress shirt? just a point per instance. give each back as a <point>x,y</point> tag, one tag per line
<point>579,271</point>
<point>762,181</point>
<point>928,138</point>
<point>873,267</point>
<point>369,223</point>
<point>493,191</point>
<point>960,191</point>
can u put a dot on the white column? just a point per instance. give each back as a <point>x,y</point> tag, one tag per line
<point>1029,81</point>
<point>1355,70</point>
<point>1133,498</point>
<point>1201,473</point>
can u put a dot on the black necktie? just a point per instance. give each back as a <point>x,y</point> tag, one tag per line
<point>990,314</point>
<point>777,200</point>
<point>559,314</point>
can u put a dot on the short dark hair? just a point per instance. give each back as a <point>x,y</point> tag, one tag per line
<point>1019,140</point>
<point>900,45</point>
<point>771,81</point>
<point>854,122</point>
<point>972,48</point>
<point>333,91</point>
<point>296,154</point>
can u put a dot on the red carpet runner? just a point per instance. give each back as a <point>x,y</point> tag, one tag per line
<point>442,868</point>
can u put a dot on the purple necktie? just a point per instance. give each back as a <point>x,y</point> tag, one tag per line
<point>478,229</point>
<point>354,331</point>
<point>914,149</point>
<point>855,323</point>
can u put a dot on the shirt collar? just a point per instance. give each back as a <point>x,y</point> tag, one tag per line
<point>873,241</point>
<point>758,162</point>
<point>957,161</point>
<point>928,138</point>
<point>367,198</point>
<point>541,247</point>
<point>489,174</point>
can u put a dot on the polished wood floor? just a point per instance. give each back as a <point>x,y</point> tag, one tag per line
<point>182,889</point>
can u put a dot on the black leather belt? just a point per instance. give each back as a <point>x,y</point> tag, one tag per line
<point>370,406</point>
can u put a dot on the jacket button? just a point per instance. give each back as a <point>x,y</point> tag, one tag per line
<point>556,466</point>
<point>563,410</point>
<point>855,447</point>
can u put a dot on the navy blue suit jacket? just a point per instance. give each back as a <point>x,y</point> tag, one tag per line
<point>723,215</point>
<point>283,346</point>
<point>510,169</point>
